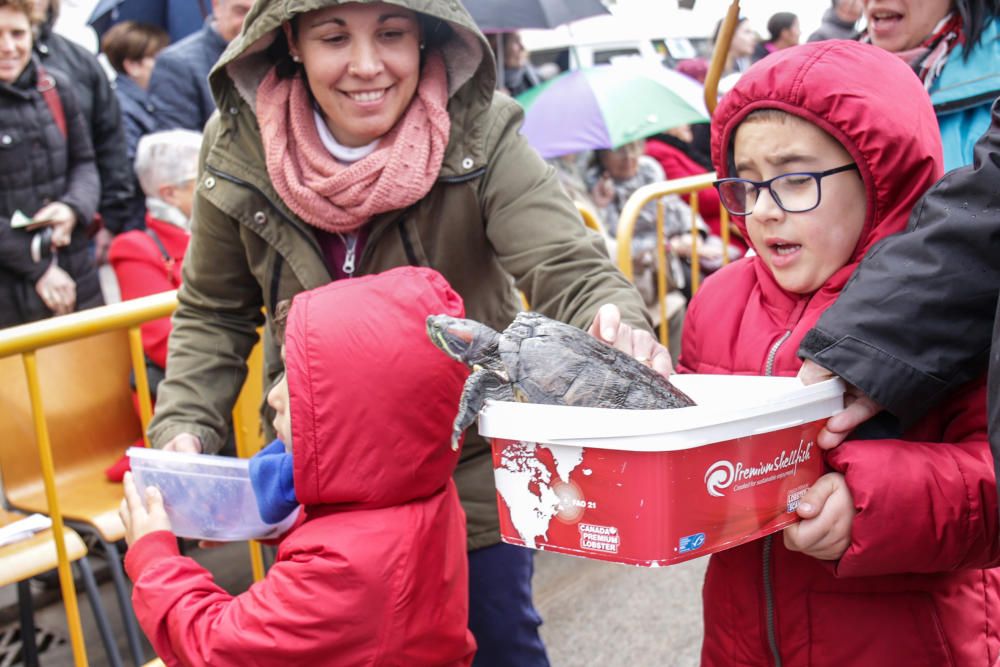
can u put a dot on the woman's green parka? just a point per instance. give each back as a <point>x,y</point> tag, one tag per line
<point>495,212</point>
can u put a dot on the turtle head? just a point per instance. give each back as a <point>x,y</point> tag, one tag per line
<point>467,341</point>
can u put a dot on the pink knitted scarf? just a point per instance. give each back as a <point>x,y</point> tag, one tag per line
<point>340,198</point>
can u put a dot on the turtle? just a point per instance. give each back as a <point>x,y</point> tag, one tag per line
<point>540,360</point>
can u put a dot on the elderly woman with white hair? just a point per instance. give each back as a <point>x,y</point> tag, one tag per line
<point>149,261</point>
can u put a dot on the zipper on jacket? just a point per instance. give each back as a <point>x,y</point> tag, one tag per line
<point>350,245</point>
<point>772,636</point>
<point>773,353</point>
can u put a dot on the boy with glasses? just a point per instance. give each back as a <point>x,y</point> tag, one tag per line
<point>823,151</point>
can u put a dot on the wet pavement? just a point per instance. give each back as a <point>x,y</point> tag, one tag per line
<point>595,613</point>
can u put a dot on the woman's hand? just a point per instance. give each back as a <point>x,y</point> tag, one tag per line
<point>609,328</point>
<point>57,290</point>
<point>827,512</point>
<point>184,442</point>
<point>682,245</point>
<point>603,192</point>
<point>141,520</point>
<point>60,217</point>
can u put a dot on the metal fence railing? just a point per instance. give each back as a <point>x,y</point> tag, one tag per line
<point>27,339</point>
<point>690,187</point>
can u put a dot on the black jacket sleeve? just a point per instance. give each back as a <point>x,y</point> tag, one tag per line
<point>108,134</point>
<point>83,185</point>
<point>915,320</point>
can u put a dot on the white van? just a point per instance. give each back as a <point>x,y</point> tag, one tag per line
<point>603,39</point>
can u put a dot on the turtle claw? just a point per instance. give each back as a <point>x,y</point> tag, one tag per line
<point>483,384</point>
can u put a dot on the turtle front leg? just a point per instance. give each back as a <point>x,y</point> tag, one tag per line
<point>481,385</point>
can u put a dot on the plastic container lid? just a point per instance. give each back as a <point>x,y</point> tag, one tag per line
<point>728,406</point>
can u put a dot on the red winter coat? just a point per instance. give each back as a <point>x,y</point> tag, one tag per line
<point>142,270</point>
<point>909,589</point>
<point>376,573</point>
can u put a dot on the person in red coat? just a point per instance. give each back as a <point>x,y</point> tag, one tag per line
<point>374,570</point>
<point>826,148</point>
<point>149,261</point>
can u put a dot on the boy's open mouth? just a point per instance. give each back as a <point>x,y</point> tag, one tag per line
<point>785,248</point>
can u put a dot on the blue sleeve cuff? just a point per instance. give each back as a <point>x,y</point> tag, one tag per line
<point>273,481</point>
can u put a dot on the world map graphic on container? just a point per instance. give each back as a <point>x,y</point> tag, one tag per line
<point>534,482</point>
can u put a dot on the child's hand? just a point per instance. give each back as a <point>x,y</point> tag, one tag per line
<point>140,521</point>
<point>827,511</point>
<point>858,407</point>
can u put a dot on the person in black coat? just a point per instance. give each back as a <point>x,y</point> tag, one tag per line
<point>47,174</point>
<point>178,87</point>
<point>919,318</point>
<point>104,120</point>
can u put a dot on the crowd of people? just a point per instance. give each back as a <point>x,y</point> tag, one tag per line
<point>336,172</point>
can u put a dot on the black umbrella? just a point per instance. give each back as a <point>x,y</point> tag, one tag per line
<point>511,15</point>
<point>496,16</point>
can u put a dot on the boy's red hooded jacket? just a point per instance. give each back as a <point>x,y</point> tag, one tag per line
<point>909,589</point>
<point>375,571</point>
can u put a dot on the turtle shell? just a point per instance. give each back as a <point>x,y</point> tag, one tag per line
<point>555,363</point>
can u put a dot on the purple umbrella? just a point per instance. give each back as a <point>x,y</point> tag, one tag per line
<point>607,106</point>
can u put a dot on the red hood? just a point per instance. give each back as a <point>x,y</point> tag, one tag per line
<point>831,84</point>
<point>372,399</point>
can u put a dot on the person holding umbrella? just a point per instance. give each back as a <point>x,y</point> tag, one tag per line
<point>354,138</point>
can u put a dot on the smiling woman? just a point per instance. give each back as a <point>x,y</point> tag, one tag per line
<point>15,42</point>
<point>47,173</point>
<point>362,67</point>
<point>954,47</point>
<point>358,137</point>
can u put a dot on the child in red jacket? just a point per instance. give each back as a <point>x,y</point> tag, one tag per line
<point>374,572</point>
<point>823,150</point>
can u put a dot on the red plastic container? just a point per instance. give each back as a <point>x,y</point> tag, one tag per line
<point>656,487</point>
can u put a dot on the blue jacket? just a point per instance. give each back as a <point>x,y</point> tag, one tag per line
<point>137,112</point>
<point>178,87</point>
<point>963,95</point>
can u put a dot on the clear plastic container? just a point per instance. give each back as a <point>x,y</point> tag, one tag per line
<point>206,497</point>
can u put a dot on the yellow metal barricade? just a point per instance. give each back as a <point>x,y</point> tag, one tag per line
<point>626,229</point>
<point>27,339</point>
<point>722,44</point>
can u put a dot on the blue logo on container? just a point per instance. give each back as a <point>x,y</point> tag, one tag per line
<point>691,542</point>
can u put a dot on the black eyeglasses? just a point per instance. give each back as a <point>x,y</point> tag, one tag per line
<point>796,192</point>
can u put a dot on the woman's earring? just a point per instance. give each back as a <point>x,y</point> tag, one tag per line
<point>296,59</point>
<point>421,46</point>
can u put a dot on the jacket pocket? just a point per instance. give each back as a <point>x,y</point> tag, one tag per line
<point>876,629</point>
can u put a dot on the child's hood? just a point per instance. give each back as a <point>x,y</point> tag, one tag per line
<point>867,99</point>
<point>372,399</point>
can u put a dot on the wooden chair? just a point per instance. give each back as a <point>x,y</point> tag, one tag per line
<point>28,558</point>
<point>91,421</point>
